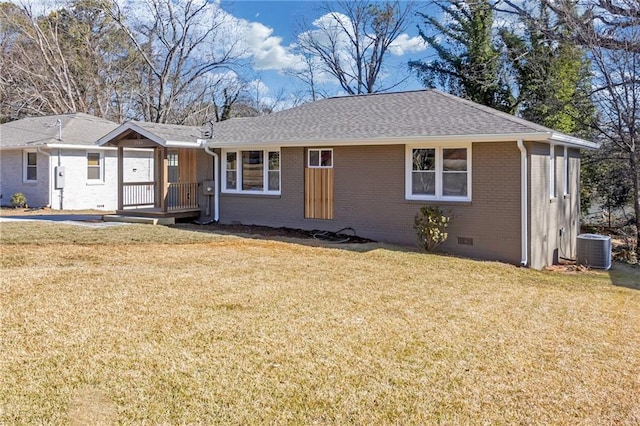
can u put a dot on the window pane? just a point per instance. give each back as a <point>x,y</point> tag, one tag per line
<point>274,161</point>
<point>93,159</point>
<point>172,158</point>
<point>454,184</point>
<point>326,158</point>
<point>314,158</point>
<point>424,159</point>
<point>231,161</point>
<point>32,158</point>
<point>252,170</point>
<point>423,183</point>
<point>93,173</point>
<point>32,173</point>
<point>231,179</point>
<point>454,160</point>
<point>93,165</point>
<point>274,181</point>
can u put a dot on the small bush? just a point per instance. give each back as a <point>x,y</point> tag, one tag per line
<point>430,225</point>
<point>19,200</point>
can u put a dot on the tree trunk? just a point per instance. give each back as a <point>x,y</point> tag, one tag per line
<point>633,163</point>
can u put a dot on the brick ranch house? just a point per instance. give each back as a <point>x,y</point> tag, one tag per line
<point>369,163</point>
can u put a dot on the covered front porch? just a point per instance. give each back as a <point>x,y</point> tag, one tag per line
<point>172,190</point>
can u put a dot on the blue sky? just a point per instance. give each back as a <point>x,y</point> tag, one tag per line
<point>277,23</point>
<point>267,31</point>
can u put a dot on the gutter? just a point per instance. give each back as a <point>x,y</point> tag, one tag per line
<point>573,142</point>
<point>524,197</point>
<point>391,140</point>
<point>216,181</point>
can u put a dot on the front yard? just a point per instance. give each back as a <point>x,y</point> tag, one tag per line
<point>157,325</point>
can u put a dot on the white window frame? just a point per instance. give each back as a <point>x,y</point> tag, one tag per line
<point>553,189</point>
<point>238,172</point>
<point>99,180</point>
<point>439,147</point>
<point>566,171</point>
<point>25,165</point>
<point>319,151</point>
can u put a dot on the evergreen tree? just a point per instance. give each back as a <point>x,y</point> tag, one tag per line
<point>469,64</point>
<point>553,79</point>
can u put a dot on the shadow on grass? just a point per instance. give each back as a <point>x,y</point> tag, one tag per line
<point>625,275</point>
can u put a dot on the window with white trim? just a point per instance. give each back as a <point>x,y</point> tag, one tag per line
<point>94,166</point>
<point>552,172</point>
<point>30,166</point>
<point>251,171</point>
<point>566,171</point>
<point>320,158</point>
<point>438,172</point>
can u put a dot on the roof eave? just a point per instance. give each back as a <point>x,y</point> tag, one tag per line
<point>572,141</point>
<point>183,144</point>
<point>57,146</point>
<point>406,140</point>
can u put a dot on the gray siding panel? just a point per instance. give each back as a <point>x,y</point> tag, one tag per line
<point>548,216</point>
<point>369,197</point>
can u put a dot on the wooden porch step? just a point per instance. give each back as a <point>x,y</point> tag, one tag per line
<point>139,219</point>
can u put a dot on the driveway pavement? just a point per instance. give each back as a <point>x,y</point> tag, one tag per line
<point>88,220</point>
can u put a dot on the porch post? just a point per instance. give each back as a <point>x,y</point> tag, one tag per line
<point>163,179</point>
<point>120,177</point>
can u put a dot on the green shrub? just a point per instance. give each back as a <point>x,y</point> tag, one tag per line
<point>18,200</point>
<point>430,225</point>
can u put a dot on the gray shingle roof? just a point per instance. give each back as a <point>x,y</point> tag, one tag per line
<point>77,129</point>
<point>171,132</point>
<point>401,115</point>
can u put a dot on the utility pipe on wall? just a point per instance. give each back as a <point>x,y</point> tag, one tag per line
<point>216,181</point>
<point>524,197</point>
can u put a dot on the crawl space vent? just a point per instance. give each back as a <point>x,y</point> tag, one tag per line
<point>594,251</point>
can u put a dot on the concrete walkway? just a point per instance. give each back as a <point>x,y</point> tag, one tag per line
<point>88,220</point>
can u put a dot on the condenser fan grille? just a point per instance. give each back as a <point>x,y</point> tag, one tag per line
<point>594,251</point>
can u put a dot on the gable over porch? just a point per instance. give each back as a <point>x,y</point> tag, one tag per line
<point>173,190</point>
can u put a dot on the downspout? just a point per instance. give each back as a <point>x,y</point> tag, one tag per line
<point>524,197</point>
<point>40,151</point>
<point>216,182</point>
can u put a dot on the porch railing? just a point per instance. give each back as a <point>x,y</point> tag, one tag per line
<point>138,194</point>
<point>182,196</point>
<point>142,194</point>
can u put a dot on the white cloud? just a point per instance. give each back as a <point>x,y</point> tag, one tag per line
<point>405,44</point>
<point>266,50</point>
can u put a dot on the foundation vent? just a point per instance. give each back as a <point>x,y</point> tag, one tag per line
<point>594,251</point>
<point>465,241</point>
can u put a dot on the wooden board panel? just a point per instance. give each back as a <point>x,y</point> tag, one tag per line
<point>318,193</point>
<point>186,165</point>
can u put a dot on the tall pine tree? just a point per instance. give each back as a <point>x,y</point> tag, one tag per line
<point>553,78</point>
<point>469,64</point>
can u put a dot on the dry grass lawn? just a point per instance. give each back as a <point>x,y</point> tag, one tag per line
<point>155,325</point>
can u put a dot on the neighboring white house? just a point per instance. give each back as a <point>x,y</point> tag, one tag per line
<point>55,162</point>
